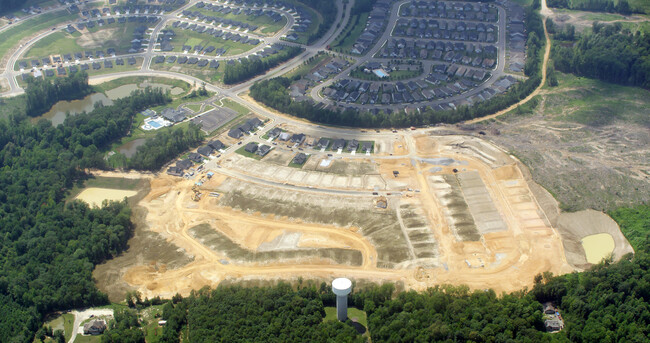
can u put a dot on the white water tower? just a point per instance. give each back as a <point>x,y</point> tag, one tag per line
<point>342,287</point>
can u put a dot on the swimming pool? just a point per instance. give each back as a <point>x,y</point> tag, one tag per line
<point>155,124</point>
<point>380,72</point>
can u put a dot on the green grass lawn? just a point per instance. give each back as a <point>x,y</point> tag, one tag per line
<point>12,36</point>
<point>305,68</point>
<point>235,106</point>
<point>206,73</point>
<point>88,339</point>
<point>194,107</point>
<point>296,165</point>
<point>348,37</point>
<point>265,25</point>
<point>596,103</point>
<point>191,38</point>
<point>330,315</point>
<point>103,87</point>
<point>243,152</point>
<point>57,43</point>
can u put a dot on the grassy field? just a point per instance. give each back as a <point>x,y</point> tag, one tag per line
<point>206,73</point>
<point>12,105</point>
<point>596,103</point>
<point>235,106</point>
<point>330,315</point>
<point>139,79</point>
<point>348,37</point>
<point>57,43</point>
<point>9,38</point>
<point>88,339</point>
<point>306,67</point>
<point>585,143</point>
<point>194,107</point>
<point>265,25</point>
<point>191,38</point>
<point>116,36</point>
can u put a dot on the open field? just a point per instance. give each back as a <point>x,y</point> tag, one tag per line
<point>583,20</point>
<point>110,36</point>
<point>11,37</point>
<point>207,74</point>
<point>265,25</point>
<point>261,220</point>
<point>191,38</point>
<point>587,143</point>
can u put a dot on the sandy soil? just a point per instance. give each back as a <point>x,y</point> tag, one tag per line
<point>505,258</point>
<point>95,196</point>
<point>598,246</point>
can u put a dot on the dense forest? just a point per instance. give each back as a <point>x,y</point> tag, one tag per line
<point>327,10</point>
<point>248,68</point>
<point>125,328</point>
<point>274,93</point>
<point>7,6</point>
<point>609,53</point>
<point>48,248</point>
<point>42,94</point>
<point>164,146</point>
<point>609,303</point>
<point>621,6</point>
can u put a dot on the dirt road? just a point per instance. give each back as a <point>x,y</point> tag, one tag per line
<point>545,11</point>
<point>505,260</point>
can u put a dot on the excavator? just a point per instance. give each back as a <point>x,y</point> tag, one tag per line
<point>196,196</point>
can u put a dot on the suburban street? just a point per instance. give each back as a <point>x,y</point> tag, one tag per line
<point>235,92</point>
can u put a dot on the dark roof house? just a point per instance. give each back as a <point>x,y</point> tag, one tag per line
<point>300,158</point>
<point>205,150</point>
<point>250,147</point>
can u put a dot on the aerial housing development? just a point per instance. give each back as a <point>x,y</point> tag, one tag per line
<point>324,171</point>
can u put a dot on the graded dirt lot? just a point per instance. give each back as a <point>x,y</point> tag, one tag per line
<point>459,211</point>
<point>95,196</point>
<point>587,143</point>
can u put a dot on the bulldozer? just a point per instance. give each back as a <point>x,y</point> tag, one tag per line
<point>196,195</point>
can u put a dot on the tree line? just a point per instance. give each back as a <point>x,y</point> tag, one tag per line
<point>609,302</point>
<point>164,146</point>
<point>248,68</point>
<point>7,6</point>
<point>274,93</point>
<point>42,94</point>
<point>327,10</point>
<point>609,53</point>
<point>49,247</point>
<point>621,6</point>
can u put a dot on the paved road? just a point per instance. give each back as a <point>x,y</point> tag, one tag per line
<point>497,73</point>
<point>80,316</point>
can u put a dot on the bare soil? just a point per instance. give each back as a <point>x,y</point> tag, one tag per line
<point>257,232</point>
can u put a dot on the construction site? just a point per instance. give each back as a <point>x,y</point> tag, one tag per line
<point>438,210</point>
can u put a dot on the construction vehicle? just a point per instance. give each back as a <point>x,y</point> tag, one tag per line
<point>196,195</point>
